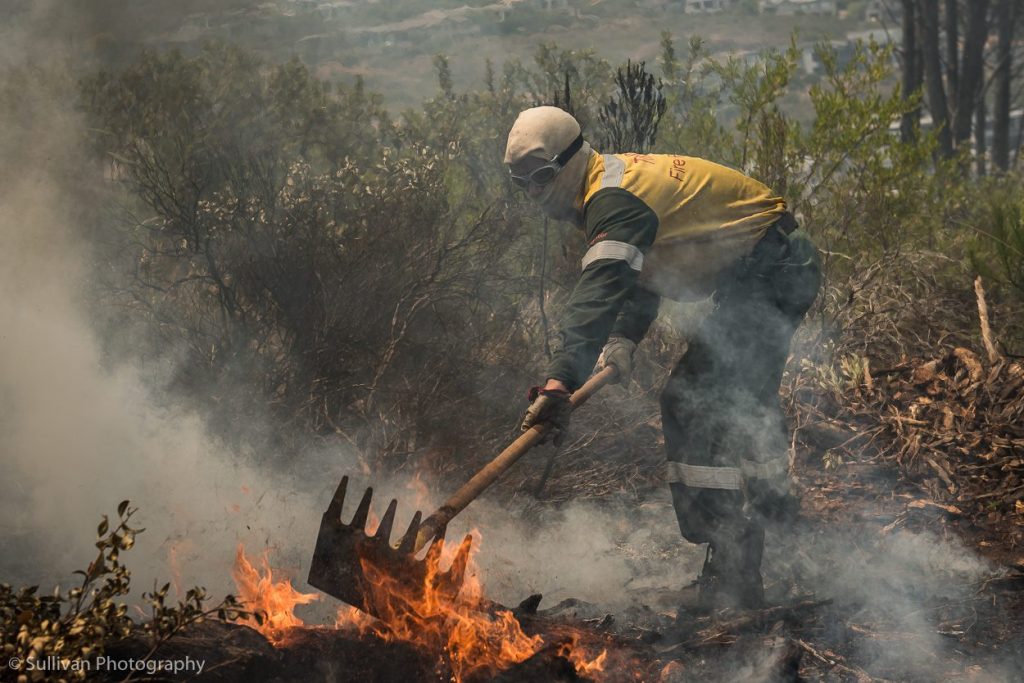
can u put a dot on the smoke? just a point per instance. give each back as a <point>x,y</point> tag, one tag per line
<point>893,586</point>
<point>79,433</point>
<point>609,553</point>
<point>82,429</point>
<point>78,437</point>
<point>903,603</point>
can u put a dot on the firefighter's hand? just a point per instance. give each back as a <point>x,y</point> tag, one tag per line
<point>618,353</point>
<point>551,406</point>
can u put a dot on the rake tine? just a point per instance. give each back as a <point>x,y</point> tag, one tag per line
<point>457,572</point>
<point>386,522</point>
<point>363,511</point>
<point>409,540</point>
<point>334,508</point>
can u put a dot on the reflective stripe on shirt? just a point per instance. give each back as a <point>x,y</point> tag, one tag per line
<point>614,169</point>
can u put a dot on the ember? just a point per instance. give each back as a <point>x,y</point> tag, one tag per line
<point>577,656</point>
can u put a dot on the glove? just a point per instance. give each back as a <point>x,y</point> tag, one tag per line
<point>618,353</point>
<point>551,406</point>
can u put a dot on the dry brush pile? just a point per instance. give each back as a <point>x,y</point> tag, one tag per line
<point>949,417</point>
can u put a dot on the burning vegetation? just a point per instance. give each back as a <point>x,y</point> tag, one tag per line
<point>472,638</point>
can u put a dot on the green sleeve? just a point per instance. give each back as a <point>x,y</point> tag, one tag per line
<point>605,285</point>
<point>637,314</point>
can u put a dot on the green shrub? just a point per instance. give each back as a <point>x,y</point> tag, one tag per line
<point>79,624</point>
<point>997,251</point>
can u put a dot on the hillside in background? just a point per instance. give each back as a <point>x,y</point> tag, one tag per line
<point>392,44</point>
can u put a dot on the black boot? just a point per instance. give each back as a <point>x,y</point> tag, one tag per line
<point>731,576</point>
<point>750,586</point>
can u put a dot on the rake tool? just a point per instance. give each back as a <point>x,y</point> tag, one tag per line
<point>350,564</point>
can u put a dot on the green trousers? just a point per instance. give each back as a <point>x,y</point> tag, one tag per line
<point>725,436</point>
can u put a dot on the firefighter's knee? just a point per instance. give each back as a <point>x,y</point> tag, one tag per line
<point>692,524</point>
<point>702,511</point>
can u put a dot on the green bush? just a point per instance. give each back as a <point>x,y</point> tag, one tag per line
<point>997,251</point>
<point>362,273</point>
<point>81,623</point>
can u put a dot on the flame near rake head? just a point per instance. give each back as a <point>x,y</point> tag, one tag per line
<point>345,551</point>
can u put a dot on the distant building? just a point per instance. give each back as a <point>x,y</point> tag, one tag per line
<point>881,36</point>
<point>705,6</point>
<point>793,7</point>
<point>552,4</point>
<point>883,11</point>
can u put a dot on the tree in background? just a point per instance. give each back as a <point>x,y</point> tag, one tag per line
<point>913,68</point>
<point>965,50</point>
<point>1008,16</point>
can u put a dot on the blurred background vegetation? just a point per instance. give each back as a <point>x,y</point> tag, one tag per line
<point>307,202</point>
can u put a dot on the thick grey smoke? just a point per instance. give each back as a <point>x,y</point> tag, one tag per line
<point>77,436</point>
<point>78,433</point>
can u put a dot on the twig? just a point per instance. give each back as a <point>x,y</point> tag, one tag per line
<point>832,660</point>
<point>986,331</point>
<point>540,291</point>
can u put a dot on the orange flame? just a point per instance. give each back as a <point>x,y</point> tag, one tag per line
<point>354,619</point>
<point>276,599</point>
<point>471,639</point>
<point>577,655</point>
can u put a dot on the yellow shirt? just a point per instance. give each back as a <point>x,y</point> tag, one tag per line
<point>709,216</point>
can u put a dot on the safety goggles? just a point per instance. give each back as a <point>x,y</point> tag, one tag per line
<point>545,174</point>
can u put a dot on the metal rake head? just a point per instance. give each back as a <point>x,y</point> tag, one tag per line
<point>365,571</point>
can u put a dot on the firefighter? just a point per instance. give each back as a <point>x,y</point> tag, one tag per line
<point>681,227</point>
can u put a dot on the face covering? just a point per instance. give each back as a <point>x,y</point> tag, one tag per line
<point>544,132</point>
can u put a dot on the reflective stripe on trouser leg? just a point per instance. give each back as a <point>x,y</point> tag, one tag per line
<point>770,470</point>
<point>705,477</point>
<point>724,478</point>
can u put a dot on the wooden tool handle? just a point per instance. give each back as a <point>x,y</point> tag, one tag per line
<point>508,457</point>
